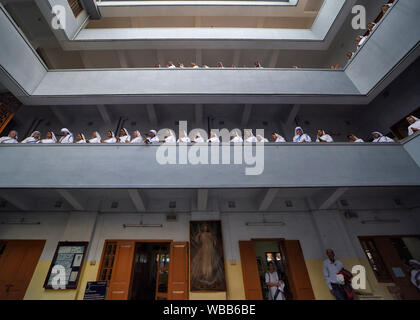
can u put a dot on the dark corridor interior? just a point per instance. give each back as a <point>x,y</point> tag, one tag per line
<point>150,271</point>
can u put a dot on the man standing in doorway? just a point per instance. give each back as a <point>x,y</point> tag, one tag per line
<point>331,267</point>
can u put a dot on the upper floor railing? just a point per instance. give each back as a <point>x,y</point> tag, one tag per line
<point>210,166</point>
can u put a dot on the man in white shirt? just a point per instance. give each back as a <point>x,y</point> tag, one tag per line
<point>331,267</point>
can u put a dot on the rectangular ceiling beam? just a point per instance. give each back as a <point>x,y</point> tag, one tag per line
<point>267,199</point>
<point>331,198</point>
<point>71,199</point>
<point>104,113</point>
<point>137,199</point>
<point>152,114</point>
<point>202,198</point>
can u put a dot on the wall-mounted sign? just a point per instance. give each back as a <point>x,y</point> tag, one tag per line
<point>65,269</point>
<point>95,290</point>
<point>398,272</point>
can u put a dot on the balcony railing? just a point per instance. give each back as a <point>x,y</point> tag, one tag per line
<point>201,166</point>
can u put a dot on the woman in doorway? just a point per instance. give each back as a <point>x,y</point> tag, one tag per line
<point>274,284</point>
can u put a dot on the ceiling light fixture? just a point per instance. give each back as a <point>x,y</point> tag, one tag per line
<point>21,222</point>
<point>266,224</point>
<point>380,221</point>
<point>142,225</point>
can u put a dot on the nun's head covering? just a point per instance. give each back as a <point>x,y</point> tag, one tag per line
<point>213,134</point>
<point>53,137</point>
<point>184,134</point>
<point>250,132</point>
<point>138,133</point>
<point>112,133</point>
<point>65,130</point>
<point>260,137</point>
<point>378,133</point>
<point>221,64</point>
<point>34,133</point>
<point>98,136</point>
<point>235,133</point>
<point>414,262</point>
<point>298,128</point>
<point>126,132</point>
<point>153,131</point>
<point>323,131</point>
<point>415,118</point>
<point>83,137</point>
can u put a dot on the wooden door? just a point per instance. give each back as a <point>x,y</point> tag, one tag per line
<point>392,260</point>
<point>119,285</point>
<point>250,274</point>
<point>297,271</point>
<point>178,271</point>
<point>17,265</point>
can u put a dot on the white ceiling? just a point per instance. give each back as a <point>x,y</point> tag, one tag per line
<point>157,200</point>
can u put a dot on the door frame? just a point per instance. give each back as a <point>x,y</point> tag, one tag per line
<point>280,242</point>
<point>39,241</point>
<point>98,276</point>
<point>136,241</point>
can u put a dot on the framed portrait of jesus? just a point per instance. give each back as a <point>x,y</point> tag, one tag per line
<point>207,264</point>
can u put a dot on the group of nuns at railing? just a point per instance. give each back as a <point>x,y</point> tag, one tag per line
<point>170,137</point>
<point>371,26</point>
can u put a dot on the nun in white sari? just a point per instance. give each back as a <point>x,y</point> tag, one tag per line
<point>198,138</point>
<point>323,137</point>
<point>236,137</point>
<point>414,124</point>
<point>50,138</point>
<point>137,137</point>
<point>300,136</point>
<point>277,137</point>
<point>274,284</point>
<point>111,138</point>
<point>353,138</point>
<point>260,138</point>
<point>249,137</point>
<point>80,138</point>
<point>213,138</point>
<point>183,137</point>
<point>124,137</point>
<point>67,136</point>
<point>152,137</point>
<point>96,137</point>
<point>379,137</point>
<point>12,137</point>
<point>33,138</point>
<point>170,137</point>
<point>415,272</point>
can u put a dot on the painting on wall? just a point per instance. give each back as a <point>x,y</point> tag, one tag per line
<point>207,266</point>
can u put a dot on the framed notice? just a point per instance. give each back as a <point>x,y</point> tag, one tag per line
<point>66,266</point>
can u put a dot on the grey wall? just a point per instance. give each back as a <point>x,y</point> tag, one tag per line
<point>394,37</point>
<point>283,165</point>
<point>21,70</point>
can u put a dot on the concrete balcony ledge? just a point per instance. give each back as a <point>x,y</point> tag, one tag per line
<point>201,166</point>
<point>192,86</point>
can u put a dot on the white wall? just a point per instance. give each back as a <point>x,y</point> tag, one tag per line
<point>333,230</point>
